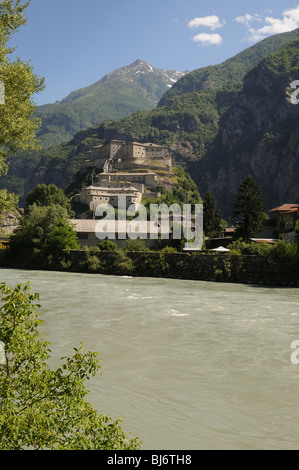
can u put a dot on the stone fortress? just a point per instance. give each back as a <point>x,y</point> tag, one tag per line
<point>123,155</point>
<point>126,169</point>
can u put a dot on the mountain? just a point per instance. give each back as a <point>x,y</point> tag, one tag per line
<point>219,133</point>
<point>135,87</point>
<point>229,73</point>
<point>258,135</point>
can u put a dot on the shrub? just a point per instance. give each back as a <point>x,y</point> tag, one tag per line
<point>134,245</point>
<point>169,249</point>
<point>283,249</point>
<point>107,245</point>
<point>241,247</point>
<point>93,263</point>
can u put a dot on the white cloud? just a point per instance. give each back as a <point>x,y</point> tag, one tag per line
<point>247,19</point>
<point>212,22</point>
<point>289,22</point>
<point>207,39</point>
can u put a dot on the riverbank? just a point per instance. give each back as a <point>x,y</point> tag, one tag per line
<point>253,269</point>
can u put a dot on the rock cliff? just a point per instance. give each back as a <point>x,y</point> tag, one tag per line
<point>258,135</point>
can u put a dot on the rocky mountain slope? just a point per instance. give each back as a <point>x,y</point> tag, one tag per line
<point>135,87</point>
<point>220,133</point>
<point>230,72</point>
<point>258,135</point>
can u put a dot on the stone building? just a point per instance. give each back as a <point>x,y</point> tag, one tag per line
<point>150,180</point>
<point>126,169</point>
<point>285,218</point>
<point>88,229</point>
<point>127,155</point>
<point>93,196</point>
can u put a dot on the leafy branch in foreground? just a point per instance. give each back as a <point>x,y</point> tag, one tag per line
<point>42,408</point>
<point>18,125</point>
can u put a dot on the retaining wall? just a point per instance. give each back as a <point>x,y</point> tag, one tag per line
<point>194,266</point>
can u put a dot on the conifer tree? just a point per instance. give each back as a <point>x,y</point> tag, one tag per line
<point>249,209</point>
<point>211,215</point>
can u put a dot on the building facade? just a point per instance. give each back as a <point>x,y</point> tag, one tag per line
<point>285,218</point>
<point>141,179</point>
<point>126,155</point>
<point>93,196</point>
<point>126,170</point>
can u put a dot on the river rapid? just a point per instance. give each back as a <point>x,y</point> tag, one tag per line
<point>187,364</point>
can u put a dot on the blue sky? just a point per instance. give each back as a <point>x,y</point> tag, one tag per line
<point>74,43</point>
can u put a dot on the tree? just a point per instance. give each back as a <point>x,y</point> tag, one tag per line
<point>211,216</point>
<point>8,202</point>
<point>249,207</point>
<point>39,407</point>
<point>17,124</point>
<point>43,408</point>
<point>47,195</point>
<point>43,234</point>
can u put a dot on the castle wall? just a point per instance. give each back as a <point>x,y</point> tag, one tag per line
<point>105,183</point>
<point>133,150</point>
<point>153,152</point>
<point>107,151</point>
<point>130,165</point>
<point>148,179</point>
<point>93,196</point>
<point>116,149</point>
<point>127,156</point>
<point>98,163</point>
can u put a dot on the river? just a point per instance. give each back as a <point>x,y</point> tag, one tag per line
<point>187,364</point>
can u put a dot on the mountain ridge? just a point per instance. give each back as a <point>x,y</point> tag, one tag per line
<point>231,71</point>
<point>128,89</point>
<point>259,135</point>
<point>189,126</point>
<point>139,63</point>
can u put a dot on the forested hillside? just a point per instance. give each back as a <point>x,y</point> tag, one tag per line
<point>218,132</point>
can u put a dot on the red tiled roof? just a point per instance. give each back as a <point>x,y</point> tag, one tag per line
<point>286,208</point>
<point>264,240</point>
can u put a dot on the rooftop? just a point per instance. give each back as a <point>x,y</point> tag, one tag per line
<point>110,190</point>
<point>124,173</point>
<point>286,208</point>
<point>270,241</point>
<point>90,226</point>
